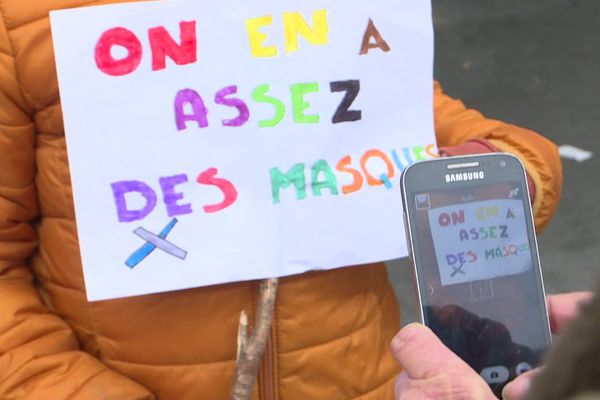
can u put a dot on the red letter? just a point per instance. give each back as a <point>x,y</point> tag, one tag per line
<point>230,194</point>
<point>118,37</point>
<point>444,219</point>
<point>163,45</point>
<point>458,218</point>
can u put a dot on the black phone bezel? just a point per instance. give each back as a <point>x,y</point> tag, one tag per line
<point>431,175</point>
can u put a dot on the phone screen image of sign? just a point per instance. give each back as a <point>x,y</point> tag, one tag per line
<point>479,288</point>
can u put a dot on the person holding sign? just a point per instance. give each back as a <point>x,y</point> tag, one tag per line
<point>141,119</point>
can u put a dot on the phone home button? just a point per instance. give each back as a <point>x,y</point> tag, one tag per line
<point>496,374</point>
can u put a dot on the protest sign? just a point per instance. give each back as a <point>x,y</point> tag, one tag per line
<point>218,142</point>
<point>480,240</point>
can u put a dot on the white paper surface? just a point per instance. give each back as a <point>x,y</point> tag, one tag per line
<point>122,135</point>
<point>480,240</point>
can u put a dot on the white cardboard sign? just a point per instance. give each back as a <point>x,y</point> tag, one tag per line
<point>480,240</point>
<point>213,142</point>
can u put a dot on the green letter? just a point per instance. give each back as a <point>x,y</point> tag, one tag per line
<point>259,96</point>
<point>299,105</point>
<point>294,176</point>
<point>330,182</point>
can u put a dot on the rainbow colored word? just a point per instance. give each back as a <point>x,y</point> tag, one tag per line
<point>122,190</point>
<point>457,218</point>
<point>162,44</point>
<point>323,176</point>
<point>189,98</point>
<point>506,251</point>
<point>489,232</point>
<point>461,259</point>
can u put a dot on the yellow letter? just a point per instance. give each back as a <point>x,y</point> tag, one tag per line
<point>294,24</point>
<point>256,38</point>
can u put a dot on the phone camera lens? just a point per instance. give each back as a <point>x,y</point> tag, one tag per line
<point>503,163</point>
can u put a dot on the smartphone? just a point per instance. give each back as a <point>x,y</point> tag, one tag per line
<point>471,240</point>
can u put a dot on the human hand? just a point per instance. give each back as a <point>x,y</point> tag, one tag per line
<point>432,371</point>
<point>562,308</point>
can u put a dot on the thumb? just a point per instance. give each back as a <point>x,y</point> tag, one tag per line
<point>421,353</point>
<point>518,389</point>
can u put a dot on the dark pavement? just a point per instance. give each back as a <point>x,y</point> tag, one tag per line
<point>535,64</point>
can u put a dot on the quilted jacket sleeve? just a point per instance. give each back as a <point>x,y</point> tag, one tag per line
<point>455,124</point>
<point>39,354</point>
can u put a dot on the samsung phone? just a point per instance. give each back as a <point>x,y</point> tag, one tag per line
<point>471,240</point>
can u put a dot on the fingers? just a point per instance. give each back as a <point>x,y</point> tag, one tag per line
<point>562,308</point>
<point>402,381</point>
<point>431,370</point>
<point>518,389</point>
<point>422,354</point>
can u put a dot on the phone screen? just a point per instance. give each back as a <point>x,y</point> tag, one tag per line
<point>479,278</point>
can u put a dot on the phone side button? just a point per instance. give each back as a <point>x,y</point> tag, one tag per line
<point>408,246</point>
<point>496,374</point>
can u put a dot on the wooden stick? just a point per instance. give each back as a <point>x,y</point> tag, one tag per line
<point>251,349</point>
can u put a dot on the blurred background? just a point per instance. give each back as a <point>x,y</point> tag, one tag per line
<point>533,63</point>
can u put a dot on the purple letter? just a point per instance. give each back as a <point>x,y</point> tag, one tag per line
<point>189,96</point>
<point>244,113</point>
<point>123,187</point>
<point>170,197</point>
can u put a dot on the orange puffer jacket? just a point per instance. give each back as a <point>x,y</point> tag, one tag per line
<point>331,329</point>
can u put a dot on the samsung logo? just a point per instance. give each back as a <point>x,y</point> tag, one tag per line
<point>464,176</point>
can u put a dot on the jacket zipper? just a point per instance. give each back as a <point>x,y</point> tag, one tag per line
<point>268,368</point>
